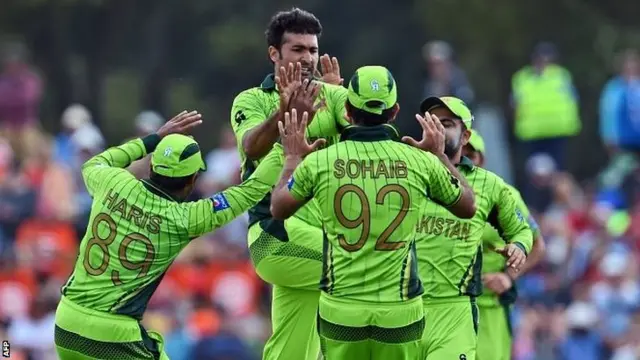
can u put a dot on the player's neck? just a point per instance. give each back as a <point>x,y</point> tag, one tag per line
<point>159,190</point>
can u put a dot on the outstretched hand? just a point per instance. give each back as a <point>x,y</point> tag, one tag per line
<point>330,70</point>
<point>293,135</point>
<point>433,136</point>
<point>180,124</point>
<point>289,81</point>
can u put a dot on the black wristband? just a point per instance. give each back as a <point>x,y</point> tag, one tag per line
<point>150,142</point>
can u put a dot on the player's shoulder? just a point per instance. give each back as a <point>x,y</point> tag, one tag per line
<point>515,192</point>
<point>264,90</point>
<point>334,89</point>
<point>251,94</point>
<point>486,177</point>
<point>410,152</point>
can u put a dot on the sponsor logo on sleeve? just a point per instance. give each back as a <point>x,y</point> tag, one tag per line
<point>290,182</point>
<point>239,116</point>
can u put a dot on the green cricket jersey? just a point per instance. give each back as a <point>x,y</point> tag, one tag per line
<point>449,248</point>
<point>370,189</point>
<point>493,262</point>
<point>136,230</point>
<point>254,106</point>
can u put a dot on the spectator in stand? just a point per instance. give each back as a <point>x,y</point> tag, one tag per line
<point>74,119</point>
<point>18,198</point>
<point>445,78</point>
<point>223,170</point>
<point>34,333</point>
<point>546,106</point>
<point>582,340</point>
<point>86,142</point>
<point>147,122</point>
<point>20,96</point>
<point>620,106</point>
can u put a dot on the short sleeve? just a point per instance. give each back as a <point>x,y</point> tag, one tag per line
<point>301,183</point>
<point>443,188</point>
<point>247,112</point>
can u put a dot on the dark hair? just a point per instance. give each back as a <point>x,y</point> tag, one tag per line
<point>365,118</point>
<point>170,183</point>
<point>295,21</point>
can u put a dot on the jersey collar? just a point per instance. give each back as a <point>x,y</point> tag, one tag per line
<point>466,163</point>
<point>370,133</point>
<point>269,83</point>
<point>157,191</point>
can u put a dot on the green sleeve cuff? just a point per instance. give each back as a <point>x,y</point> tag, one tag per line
<point>518,244</point>
<point>150,142</point>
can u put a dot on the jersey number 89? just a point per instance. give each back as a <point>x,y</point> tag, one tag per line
<point>104,242</point>
<point>364,219</point>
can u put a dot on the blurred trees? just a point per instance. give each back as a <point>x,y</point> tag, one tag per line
<point>122,56</point>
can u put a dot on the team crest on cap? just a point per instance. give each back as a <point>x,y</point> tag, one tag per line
<point>168,151</point>
<point>375,85</point>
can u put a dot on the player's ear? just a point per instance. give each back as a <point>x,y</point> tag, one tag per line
<point>274,54</point>
<point>394,112</point>
<point>466,135</point>
<point>348,113</point>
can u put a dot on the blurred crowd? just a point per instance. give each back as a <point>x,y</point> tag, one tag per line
<point>581,302</point>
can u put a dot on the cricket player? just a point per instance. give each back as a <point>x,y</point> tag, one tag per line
<point>370,189</point>
<point>136,230</point>
<point>449,248</point>
<point>288,254</point>
<point>499,290</point>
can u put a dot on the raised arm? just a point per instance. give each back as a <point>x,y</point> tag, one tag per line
<point>111,162</point>
<point>255,130</point>
<point>295,187</point>
<point>207,215</point>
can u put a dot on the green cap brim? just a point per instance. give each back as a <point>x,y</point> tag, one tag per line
<point>455,105</point>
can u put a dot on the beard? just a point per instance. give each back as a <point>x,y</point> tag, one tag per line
<point>452,146</point>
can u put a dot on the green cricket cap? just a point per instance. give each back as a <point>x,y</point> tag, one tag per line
<point>177,156</point>
<point>476,141</point>
<point>455,105</point>
<point>372,89</point>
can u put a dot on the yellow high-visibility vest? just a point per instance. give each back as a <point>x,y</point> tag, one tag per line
<point>545,104</point>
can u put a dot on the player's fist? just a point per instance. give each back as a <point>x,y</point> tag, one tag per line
<point>180,124</point>
<point>293,135</point>
<point>433,135</point>
<point>514,254</point>
<point>497,282</point>
<point>330,70</point>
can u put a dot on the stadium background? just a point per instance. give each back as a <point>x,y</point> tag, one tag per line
<point>131,63</point>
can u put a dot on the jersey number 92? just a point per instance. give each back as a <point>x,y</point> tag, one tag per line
<point>364,219</point>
